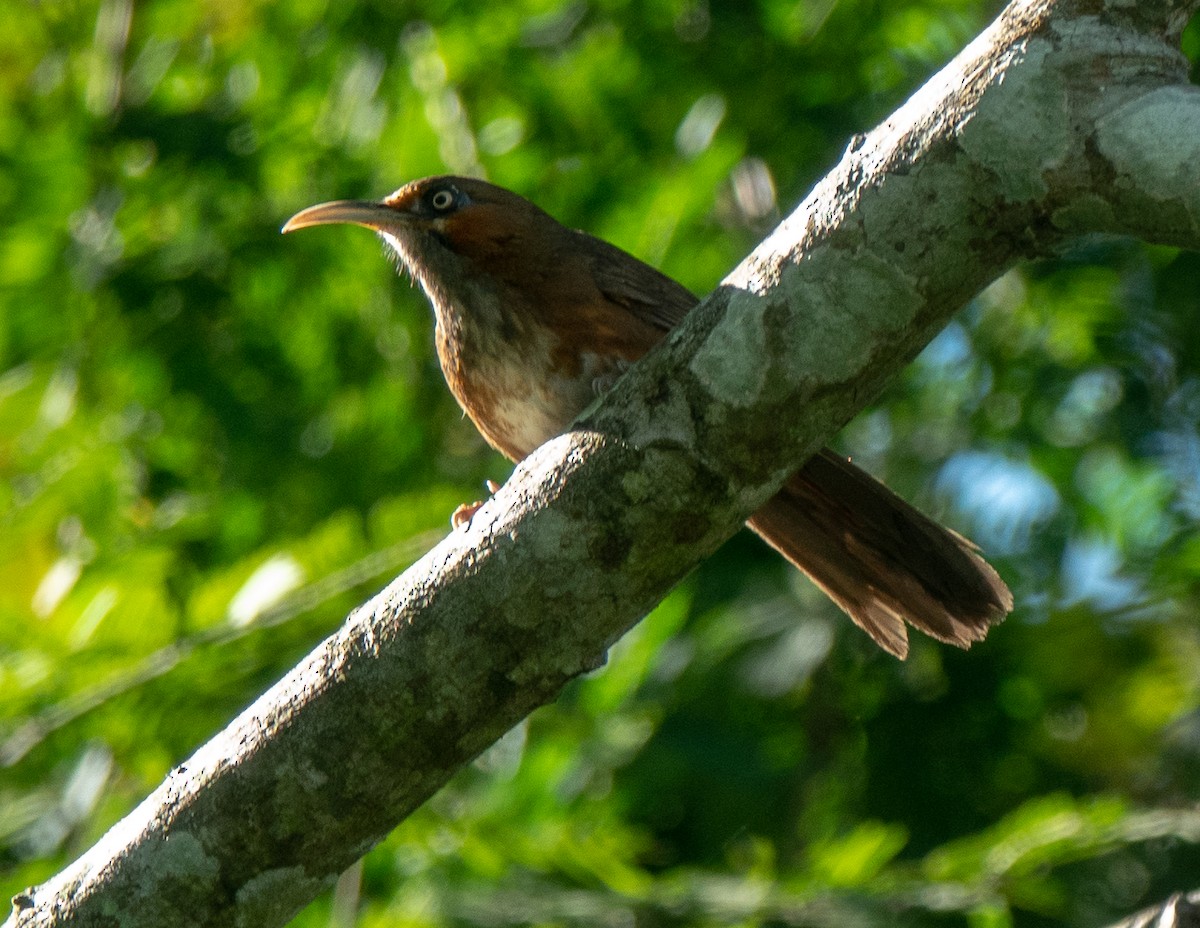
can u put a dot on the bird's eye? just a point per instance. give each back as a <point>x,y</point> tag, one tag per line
<point>442,200</point>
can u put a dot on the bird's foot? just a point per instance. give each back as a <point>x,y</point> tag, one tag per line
<point>464,513</point>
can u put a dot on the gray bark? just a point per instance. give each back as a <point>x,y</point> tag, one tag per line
<point>1061,119</point>
<point>1179,911</point>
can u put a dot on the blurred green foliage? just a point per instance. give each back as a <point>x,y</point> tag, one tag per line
<point>214,442</point>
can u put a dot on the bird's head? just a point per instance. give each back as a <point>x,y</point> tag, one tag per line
<point>446,226</point>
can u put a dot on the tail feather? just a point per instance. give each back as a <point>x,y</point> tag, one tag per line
<point>883,561</point>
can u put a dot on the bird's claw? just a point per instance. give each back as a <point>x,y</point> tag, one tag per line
<point>464,513</point>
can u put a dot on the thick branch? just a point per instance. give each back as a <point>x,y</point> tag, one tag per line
<point>1179,911</point>
<point>1151,146</point>
<point>997,158</point>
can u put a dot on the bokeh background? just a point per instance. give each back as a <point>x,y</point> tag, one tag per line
<point>215,441</point>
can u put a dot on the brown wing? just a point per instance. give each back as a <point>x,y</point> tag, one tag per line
<point>648,294</point>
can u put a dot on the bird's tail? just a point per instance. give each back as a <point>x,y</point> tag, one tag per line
<point>883,561</point>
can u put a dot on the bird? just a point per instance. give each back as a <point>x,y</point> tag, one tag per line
<point>533,320</point>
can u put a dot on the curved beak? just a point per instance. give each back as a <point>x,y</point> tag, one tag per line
<point>370,214</point>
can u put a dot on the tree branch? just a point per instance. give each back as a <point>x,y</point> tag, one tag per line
<point>1028,136</point>
<point>1179,911</point>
